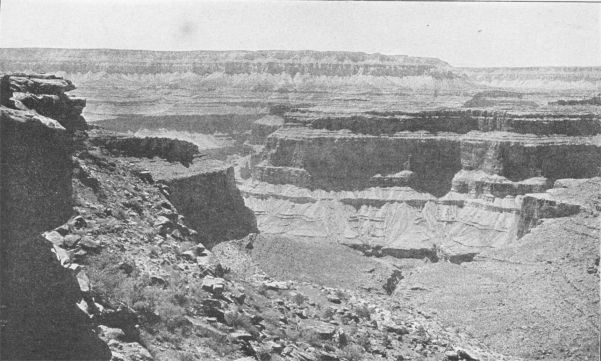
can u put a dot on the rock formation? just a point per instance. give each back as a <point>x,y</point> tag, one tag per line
<point>40,319</point>
<point>45,94</point>
<point>206,194</point>
<point>172,150</point>
<point>407,185</point>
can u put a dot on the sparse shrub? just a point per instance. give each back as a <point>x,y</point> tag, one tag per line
<point>386,342</point>
<point>134,205</point>
<point>352,353</point>
<point>343,339</point>
<point>221,345</point>
<point>299,298</point>
<point>328,313</point>
<point>363,340</point>
<point>171,315</point>
<point>240,321</point>
<point>110,282</point>
<point>340,294</point>
<point>311,337</point>
<point>262,290</point>
<point>150,234</point>
<point>363,311</point>
<point>120,214</point>
<point>263,352</point>
<point>178,356</point>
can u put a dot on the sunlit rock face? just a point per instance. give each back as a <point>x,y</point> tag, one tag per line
<point>404,184</point>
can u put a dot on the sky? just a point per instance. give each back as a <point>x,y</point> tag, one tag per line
<point>463,34</point>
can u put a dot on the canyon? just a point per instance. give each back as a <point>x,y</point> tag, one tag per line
<point>473,195</point>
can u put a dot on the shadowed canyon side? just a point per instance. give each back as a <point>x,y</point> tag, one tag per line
<point>39,297</point>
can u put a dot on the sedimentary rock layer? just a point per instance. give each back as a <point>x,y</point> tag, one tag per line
<point>229,62</point>
<point>341,160</point>
<point>456,121</point>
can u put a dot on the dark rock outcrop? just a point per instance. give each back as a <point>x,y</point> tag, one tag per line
<point>206,194</point>
<point>596,100</point>
<point>45,94</point>
<point>499,99</point>
<point>172,150</point>
<point>40,318</point>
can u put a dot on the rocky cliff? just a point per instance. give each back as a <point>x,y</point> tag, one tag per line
<point>45,94</point>
<point>39,312</point>
<point>407,185</point>
<point>172,150</point>
<point>344,160</point>
<point>205,192</point>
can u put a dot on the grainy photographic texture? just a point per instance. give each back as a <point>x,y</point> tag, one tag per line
<point>302,181</point>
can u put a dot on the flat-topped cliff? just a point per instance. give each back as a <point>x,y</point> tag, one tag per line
<point>230,62</point>
<point>441,184</point>
<point>346,160</point>
<point>452,120</point>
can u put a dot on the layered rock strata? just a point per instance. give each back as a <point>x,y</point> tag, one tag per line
<point>341,160</point>
<point>412,189</point>
<point>229,62</point>
<point>450,120</point>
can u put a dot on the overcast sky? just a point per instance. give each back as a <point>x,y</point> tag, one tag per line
<point>463,34</point>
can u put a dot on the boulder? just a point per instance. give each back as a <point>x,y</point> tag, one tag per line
<point>214,285</point>
<point>334,299</point>
<point>90,244</point>
<point>111,333</point>
<point>61,255</point>
<point>55,238</point>
<point>83,281</point>
<point>276,285</point>
<point>241,335</point>
<point>71,240</point>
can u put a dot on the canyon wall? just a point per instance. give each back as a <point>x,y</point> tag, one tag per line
<point>228,62</point>
<point>412,187</point>
<point>450,120</point>
<point>336,160</point>
<point>39,313</point>
<point>547,78</point>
